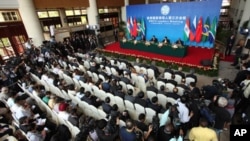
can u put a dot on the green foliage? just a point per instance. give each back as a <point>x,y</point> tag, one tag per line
<point>163,64</point>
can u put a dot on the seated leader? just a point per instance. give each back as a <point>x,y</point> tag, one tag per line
<point>154,39</point>
<point>166,40</point>
<point>179,42</point>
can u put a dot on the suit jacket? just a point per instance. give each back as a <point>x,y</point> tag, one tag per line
<point>140,101</point>
<point>125,80</point>
<point>106,108</point>
<point>120,94</point>
<point>129,98</point>
<point>155,107</point>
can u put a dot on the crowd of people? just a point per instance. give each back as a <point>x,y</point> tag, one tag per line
<point>193,113</point>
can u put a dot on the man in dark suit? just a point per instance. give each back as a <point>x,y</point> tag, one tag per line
<point>154,39</point>
<point>166,40</point>
<point>162,90</point>
<point>179,42</point>
<point>155,105</point>
<point>119,92</point>
<point>140,99</point>
<point>230,43</point>
<point>241,75</point>
<point>129,96</point>
<point>107,108</point>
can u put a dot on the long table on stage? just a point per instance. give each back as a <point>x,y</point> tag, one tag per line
<point>154,48</point>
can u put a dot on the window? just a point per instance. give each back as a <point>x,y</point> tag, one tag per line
<point>19,42</point>
<point>77,12</point>
<point>43,14</point>
<point>53,13</point>
<point>7,16</point>
<point>76,16</point>
<point>69,12</point>
<point>6,50</point>
<point>49,18</point>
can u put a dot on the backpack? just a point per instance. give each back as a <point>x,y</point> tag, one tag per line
<point>208,114</point>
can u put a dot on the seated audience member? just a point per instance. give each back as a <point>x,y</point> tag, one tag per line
<point>127,133</point>
<point>155,105</point>
<point>168,132</point>
<point>52,101</point>
<point>5,130</point>
<point>166,40</point>
<point>34,135</point>
<point>140,123</point>
<point>202,132</point>
<point>107,108</point>
<point>4,93</point>
<point>106,133</point>
<point>81,92</point>
<point>129,96</point>
<point>179,42</point>
<point>139,99</point>
<point>154,39</point>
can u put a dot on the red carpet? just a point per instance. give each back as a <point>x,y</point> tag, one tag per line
<point>193,57</point>
<point>227,58</point>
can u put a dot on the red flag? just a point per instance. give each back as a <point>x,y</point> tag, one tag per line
<point>199,31</point>
<point>134,30</point>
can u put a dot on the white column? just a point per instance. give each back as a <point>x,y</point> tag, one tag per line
<point>63,18</point>
<point>146,1</point>
<point>123,10</point>
<point>31,21</point>
<point>92,13</point>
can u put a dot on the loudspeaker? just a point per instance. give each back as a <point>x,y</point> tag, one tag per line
<point>206,62</point>
<point>247,44</point>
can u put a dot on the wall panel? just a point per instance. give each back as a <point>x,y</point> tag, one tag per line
<point>109,3</point>
<point>42,4</point>
<point>132,2</point>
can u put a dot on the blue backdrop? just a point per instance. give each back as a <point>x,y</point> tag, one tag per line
<point>193,22</point>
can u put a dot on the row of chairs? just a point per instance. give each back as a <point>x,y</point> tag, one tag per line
<point>52,115</point>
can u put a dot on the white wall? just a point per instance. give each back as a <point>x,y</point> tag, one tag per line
<point>8,4</point>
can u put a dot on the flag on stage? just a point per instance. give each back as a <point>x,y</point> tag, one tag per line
<point>186,30</point>
<point>128,34</point>
<point>131,24</point>
<point>143,27</point>
<point>198,33</point>
<point>212,32</point>
<point>192,30</point>
<point>205,31</point>
<point>134,28</point>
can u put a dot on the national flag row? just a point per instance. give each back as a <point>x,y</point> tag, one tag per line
<point>199,32</point>
<point>135,27</point>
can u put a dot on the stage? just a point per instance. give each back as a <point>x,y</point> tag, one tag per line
<point>193,57</point>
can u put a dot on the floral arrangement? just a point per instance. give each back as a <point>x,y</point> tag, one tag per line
<point>124,40</point>
<point>205,70</point>
<point>160,45</point>
<point>147,43</point>
<point>135,42</point>
<point>174,46</point>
